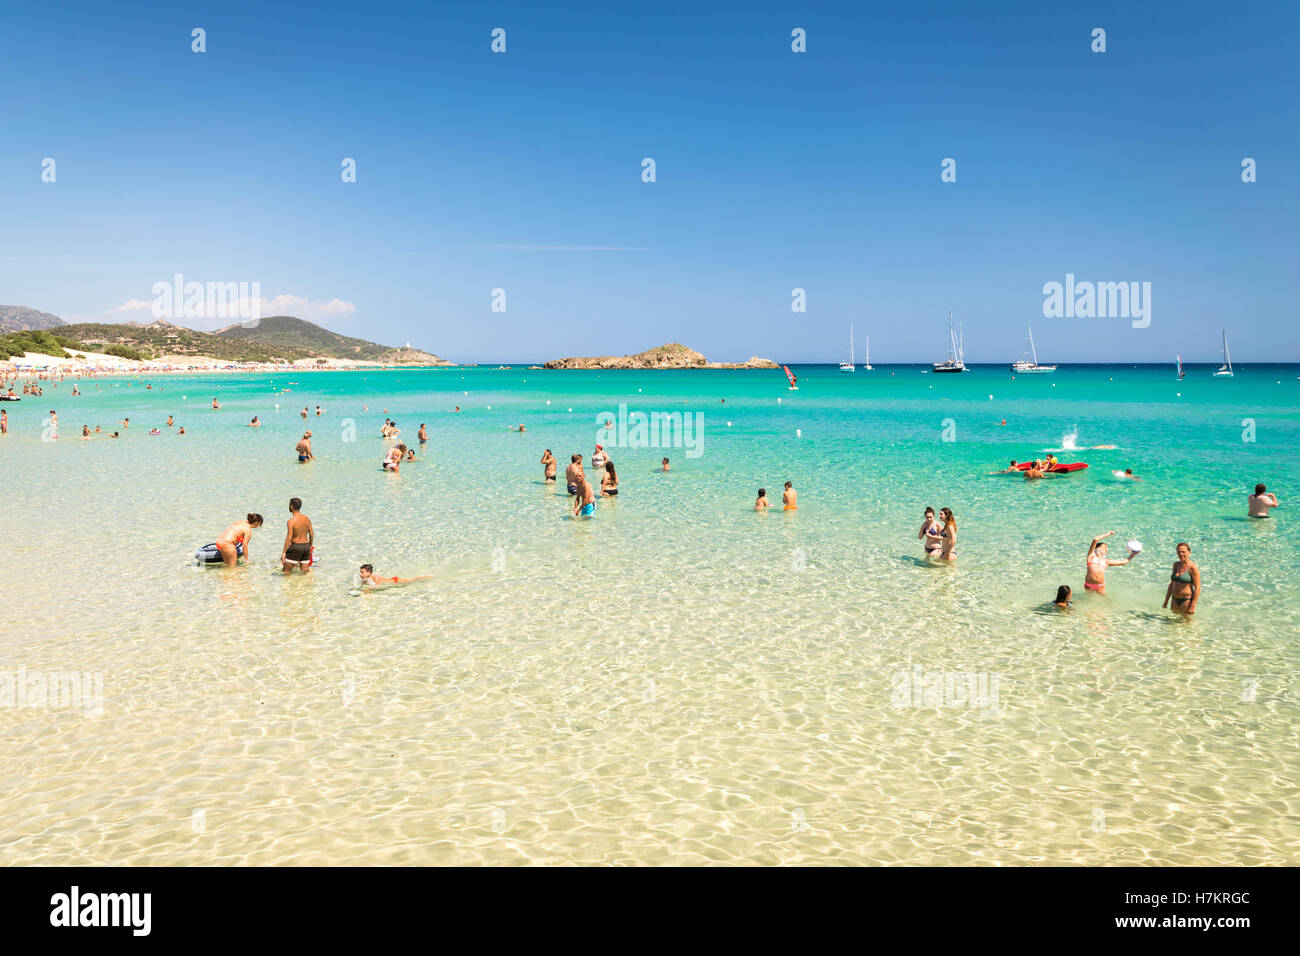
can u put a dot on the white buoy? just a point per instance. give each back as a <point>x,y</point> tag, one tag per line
<point>489,408</point>
<point>990,398</point>
<point>1179,394</point>
<point>728,424</point>
<point>778,401</point>
<point>277,404</point>
<point>798,433</point>
<point>571,409</point>
<point>548,401</point>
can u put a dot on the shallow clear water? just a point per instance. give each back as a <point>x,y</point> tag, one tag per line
<point>680,680</point>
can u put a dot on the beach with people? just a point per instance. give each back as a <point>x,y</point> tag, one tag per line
<point>678,655</point>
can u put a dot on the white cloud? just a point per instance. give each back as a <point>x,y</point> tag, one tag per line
<point>225,311</point>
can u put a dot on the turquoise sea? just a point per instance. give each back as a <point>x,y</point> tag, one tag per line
<point>680,679</point>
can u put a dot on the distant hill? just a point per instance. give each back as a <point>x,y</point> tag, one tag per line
<point>17,318</point>
<point>275,339</point>
<point>285,331</point>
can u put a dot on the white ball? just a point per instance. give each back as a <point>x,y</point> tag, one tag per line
<point>1134,546</point>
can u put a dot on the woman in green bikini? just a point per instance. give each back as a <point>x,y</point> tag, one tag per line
<point>1184,582</point>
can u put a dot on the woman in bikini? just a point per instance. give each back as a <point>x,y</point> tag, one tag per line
<point>1184,582</point>
<point>1095,578</point>
<point>234,541</point>
<point>949,536</point>
<point>932,534</point>
<point>609,483</point>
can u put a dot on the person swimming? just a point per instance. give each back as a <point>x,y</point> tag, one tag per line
<point>665,464</point>
<point>371,580</point>
<point>1098,562</point>
<point>761,503</point>
<point>1184,588</point>
<point>255,423</point>
<point>1063,595</point>
<point>932,533</point>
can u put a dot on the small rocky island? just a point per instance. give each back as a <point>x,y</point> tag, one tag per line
<point>672,355</point>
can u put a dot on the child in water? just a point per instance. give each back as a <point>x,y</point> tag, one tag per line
<point>762,504</point>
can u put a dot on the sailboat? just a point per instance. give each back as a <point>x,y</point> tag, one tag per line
<point>866,358</point>
<point>1226,368</point>
<point>1032,368</point>
<point>790,375</point>
<point>1181,373</point>
<point>956,352</point>
<point>848,366</point>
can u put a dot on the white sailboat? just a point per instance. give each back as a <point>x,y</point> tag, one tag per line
<point>1032,367</point>
<point>956,352</point>
<point>848,366</point>
<point>866,358</point>
<point>1226,368</point>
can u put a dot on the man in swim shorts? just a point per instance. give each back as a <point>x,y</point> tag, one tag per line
<point>790,498</point>
<point>304,447</point>
<point>584,502</point>
<point>548,460</point>
<point>573,473</point>
<point>423,434</point>
<point>299,536</point>
<point>1260,502</point>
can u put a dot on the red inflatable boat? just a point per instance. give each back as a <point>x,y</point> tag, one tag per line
<point>1057,468</point>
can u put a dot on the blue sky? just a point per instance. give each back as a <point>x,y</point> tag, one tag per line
<point>775,170</point>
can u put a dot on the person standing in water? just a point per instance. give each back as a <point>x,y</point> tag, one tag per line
<point>549,464</point>
<point>1260,502</point>
<point>932,533</point>
<point>665,468</point>
<point>584,502</point>
<point>1184,582</point>
<point>234,541</point>
<point>1098,562</point>
<point>761,503</point>
<point>789,497</point>
<point>598,458</point>
<point>304,447</point>
<point>573,473</point>
<point>948,550</point>
<point>299,536</point>
<point>423,434</point>
<point>609,481</point>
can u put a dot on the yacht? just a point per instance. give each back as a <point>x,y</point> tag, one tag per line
<point>1032,367</point>
<point>956,352</point>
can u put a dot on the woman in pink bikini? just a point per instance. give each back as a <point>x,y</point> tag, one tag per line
<point>1095,578</point>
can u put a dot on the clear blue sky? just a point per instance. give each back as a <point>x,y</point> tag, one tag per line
<point>775,170</point>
